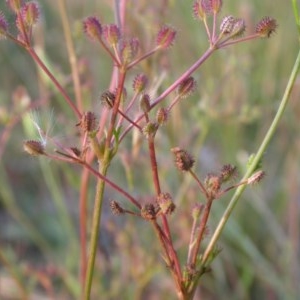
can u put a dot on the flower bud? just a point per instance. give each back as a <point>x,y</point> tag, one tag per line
<point>165,37</point>
<point>92,28</point>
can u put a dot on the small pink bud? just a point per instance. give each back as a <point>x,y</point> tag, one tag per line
<point>92,27</point>
<point>145,103</point>
<point>30,13</point>
<point>14,5</point>
<point>139,83</point>
<point>165,37</point>
<point>111,33</point>
<point>266,27</point>
<point>3,25</point>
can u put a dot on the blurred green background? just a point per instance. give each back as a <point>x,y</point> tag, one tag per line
<point>238,93</point>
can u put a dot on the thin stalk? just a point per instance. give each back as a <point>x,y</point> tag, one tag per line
<point>257,158</point>
<point>71,51</point>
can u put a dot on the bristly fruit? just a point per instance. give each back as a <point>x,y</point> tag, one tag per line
<point>111,34</point>
<point>165,37</point>
<point>30,13</point>
<point>162,116</point>
<point>202,9</point>
<point>266,27</point>
<point>88,122</point>
<point>186,87</point>
<point>148,212</point>
<point>145,103</point>
<point>108,99</point>
<point>140,83</point>
<point>92,28</point>
<point>116,207</point>
<point>15,5</point>
<point>165,203</point>
<point>183,160</point>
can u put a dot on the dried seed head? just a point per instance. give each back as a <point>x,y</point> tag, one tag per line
<point>15,5</point>
<point>183,160</point>
<point>150,129</point>
<point>256,177</point>
<point>145,103</point>
<point>227,24</point>
<point>165,202</point>
<point>202,9</point>
<point>212,184</point>
<point>112,35</point>
<point>139,83</point>
<point>165,37</point>
<point>30,13</point>
<point>116,208</point>
<point>227,173</point>
<point>88,122</point>
<point>148,212</point>
<point>3,25</point>
<point>186,87</point>
<point>34,148</point>
<point>108,99</point>
<point>266,27</point>
<point>162,116</point>
<point>92,28</point>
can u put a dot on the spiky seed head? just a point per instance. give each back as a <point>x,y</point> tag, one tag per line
<point>212,184</point>
<point>112,34</point>
<point>162,116</point>
<point>92,28</point>
<point>116,208</point>
<point>148,212</point>
<point>30,13</point>
<point>202,9</point>
<point>183,160</point>
<point>150,129</point>
<point>145,103</point>
<point>88,122</point>
<point>266,27</point>
<point>228,172</point>
<point>34,147</point>
<point>186,87</point>
<point>15,5</point>
<point>165,37</point>
<point>3,26</point>
<point>165,203</point>
<point>108,99</point>
<point>140,83</point>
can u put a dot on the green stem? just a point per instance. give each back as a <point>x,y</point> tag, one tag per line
<point>255,161</point>
<point>95,232</point>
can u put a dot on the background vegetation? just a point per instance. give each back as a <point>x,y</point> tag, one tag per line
<point>238,93</point>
